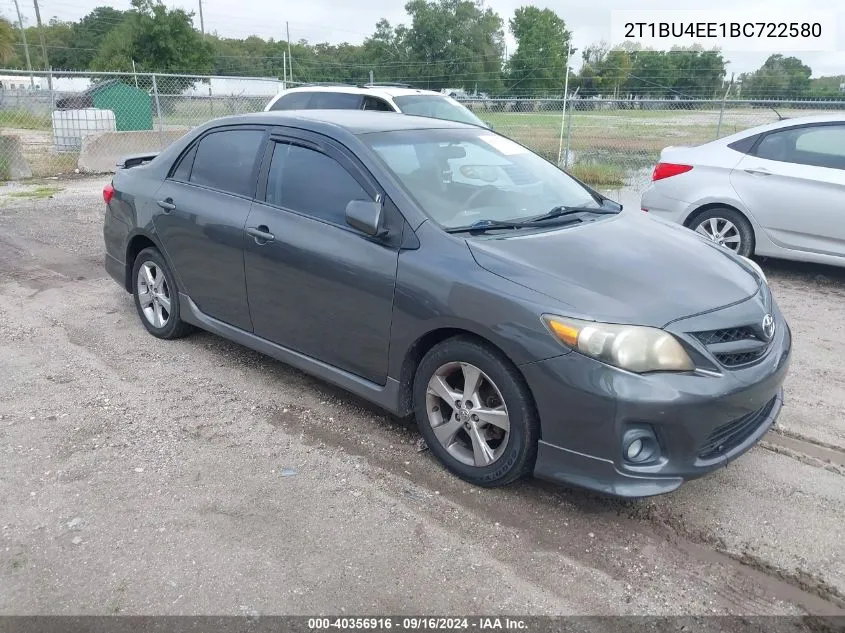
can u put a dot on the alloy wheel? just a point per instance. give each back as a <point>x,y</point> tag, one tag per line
<point>721,231</point>
<point>467,414</point>
<point>154,294</point>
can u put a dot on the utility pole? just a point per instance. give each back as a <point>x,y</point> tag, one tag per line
<point>565,94</point>
<point>43,46</point>
<point>25,45</point>
<point>202,22</point>
<point>290,58</point>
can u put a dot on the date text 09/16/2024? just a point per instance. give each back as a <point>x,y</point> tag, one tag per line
<point>418,623</point>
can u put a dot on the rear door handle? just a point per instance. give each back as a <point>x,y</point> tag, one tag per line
<point>759,171</point>
<point>167,205</point>
<point>261,234</point>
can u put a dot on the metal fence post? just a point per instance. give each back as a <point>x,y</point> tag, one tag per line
<point>722,111</point>
<point>158,111</point>
<point>571,102</point>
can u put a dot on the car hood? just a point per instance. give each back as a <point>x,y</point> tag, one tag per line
<point>629,268</point>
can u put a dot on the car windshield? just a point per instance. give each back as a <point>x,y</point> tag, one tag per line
<point>463,176</point>
<point>437,107</point>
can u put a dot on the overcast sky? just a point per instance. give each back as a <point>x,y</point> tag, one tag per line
<point>353,20</point>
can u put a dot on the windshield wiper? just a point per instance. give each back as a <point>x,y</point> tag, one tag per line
<point>561,211</point>
<point>482,225</point>
<point>557,212</point>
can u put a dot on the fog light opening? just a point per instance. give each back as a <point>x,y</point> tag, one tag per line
<point>639,446</point>
<point>634,449</point>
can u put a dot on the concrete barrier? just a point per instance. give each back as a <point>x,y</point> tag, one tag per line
<point>99,153</point>
<point>13,164</point>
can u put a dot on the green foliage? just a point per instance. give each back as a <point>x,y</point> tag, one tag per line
<point>454,40</point>
<point>443,44</point>
<point>684,73</point>
<point>778,78</point>
<point>538,67</point>
<point>157,39</point>
<point>8,39</point>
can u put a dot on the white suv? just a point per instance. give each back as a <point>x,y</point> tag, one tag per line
<point>379,97</point>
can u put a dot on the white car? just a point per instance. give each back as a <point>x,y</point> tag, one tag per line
<point>380,97</point>
<point>472,168</point>
<point>776,190</point>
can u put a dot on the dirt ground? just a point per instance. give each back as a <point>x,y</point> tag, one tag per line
<point>195,477</point>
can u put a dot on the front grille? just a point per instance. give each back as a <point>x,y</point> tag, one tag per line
<point>735,360</point>
<point>734,347</point>
<point>729,335</point>
<point>728,436</point>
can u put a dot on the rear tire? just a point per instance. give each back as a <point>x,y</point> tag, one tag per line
<point>727,227</point>
<point>157,296</point>
<point>490,438</point>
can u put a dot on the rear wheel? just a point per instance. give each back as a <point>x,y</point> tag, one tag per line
<point>156,296</point>
<point>476,413</point>
<point>727,227</point>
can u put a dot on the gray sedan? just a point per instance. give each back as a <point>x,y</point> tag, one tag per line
<point>443,271</point>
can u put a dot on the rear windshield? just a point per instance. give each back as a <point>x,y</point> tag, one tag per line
<point>437,107</point>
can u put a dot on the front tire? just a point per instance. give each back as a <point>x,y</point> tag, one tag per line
<point>476,413</point>
<point>157,296</point>
<point>727,227</point>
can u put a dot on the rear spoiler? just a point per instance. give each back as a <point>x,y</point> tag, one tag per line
<point>134,160</point>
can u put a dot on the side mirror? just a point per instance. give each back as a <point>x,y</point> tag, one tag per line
<point>488,124</point>
<point>365,216</point>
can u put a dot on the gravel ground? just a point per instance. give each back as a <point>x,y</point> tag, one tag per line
<point>196,477</point>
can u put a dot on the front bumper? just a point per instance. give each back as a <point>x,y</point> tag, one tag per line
<point>586,406</point>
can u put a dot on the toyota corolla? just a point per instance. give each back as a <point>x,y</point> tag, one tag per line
<point>441,270</point>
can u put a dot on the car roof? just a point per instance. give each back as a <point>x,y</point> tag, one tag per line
<point>830,117</point>
<point>375,90</point>
<point>353,121</point>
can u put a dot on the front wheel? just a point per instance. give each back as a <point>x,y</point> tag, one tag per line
<point>475,412</point>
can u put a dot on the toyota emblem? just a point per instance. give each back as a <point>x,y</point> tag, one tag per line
<point>768,327</point>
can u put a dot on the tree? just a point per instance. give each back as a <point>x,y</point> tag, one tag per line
<point>455,41</point>
<point>8,39</point>
<point>158,40</point>
<point>387,51</point>
<point>605,71</point>
<point>538,67</point>
<point>778,78</point>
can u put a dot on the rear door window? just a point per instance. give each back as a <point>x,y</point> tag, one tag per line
<point>815,145</point>
<point>335,101</point>
<point>226,161</point>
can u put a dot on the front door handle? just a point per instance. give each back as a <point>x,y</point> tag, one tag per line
<point>261,234</point>
<point>758,171</point>
<point>167,205</point>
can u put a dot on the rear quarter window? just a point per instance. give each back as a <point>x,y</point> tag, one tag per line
<point>744,145</point>
<point>292,101</point>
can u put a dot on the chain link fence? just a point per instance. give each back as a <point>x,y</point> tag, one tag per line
<point>56,123</point>
<point>616,142</point>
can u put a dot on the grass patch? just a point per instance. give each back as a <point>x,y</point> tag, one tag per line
<point>599,174</point>
<point>43,191</point>
<point>25,120</point>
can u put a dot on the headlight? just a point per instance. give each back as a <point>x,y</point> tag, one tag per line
<point>756,267</point>
<point>632,347</point>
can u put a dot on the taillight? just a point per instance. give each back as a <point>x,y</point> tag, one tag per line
<point>108,193</point>
<point>667,170</point>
